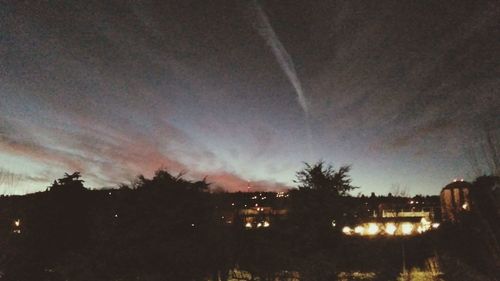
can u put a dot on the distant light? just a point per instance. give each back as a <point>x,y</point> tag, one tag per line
<point>454,180</point>
<point>259,224</point>
<point>390,228</point>
<point>346,230</point>
<point>334,224</point>
<point>256,205</point>
<point>109,193</point>
<point>248,225</point>
<point>266,224</point>
<point>372,228</point>
<point>232,204</point>
<point>192,224</point>
<point>465,206</point>
<point>359,229</point>
<point>17,222</point>
<point>435,225</point>
<point>461,179</point>
<point>407,228</point>
<point>411,202</point>
<point>116,215</point>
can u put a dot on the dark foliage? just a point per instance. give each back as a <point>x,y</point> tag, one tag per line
<point>170,228</point>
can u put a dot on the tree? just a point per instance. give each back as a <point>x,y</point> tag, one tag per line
<point>162,178</point>
<point>317,206</point>
<point>324,178</point>
<point>484,155</point>
<point>68,182</point>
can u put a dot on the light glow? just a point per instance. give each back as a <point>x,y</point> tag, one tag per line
<point>359,229</point>
<point>390,228</point>
<point>406,228</point>
<point>372,228</point>
<point>346,230</point>
<point>420,229</point>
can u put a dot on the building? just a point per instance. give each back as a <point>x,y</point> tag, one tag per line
<point>455,199</point>
<point>393,216</point>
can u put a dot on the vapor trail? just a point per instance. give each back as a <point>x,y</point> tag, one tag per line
<point>285,61</point>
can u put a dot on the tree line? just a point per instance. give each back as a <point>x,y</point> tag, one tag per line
<point>170,228</point>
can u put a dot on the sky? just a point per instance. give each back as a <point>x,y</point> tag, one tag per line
<point>400,90</point>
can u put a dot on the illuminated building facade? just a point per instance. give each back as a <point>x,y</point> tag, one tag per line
<point>396,226</point>
<point>394,216</point>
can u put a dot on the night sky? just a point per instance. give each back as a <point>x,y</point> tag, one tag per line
<point>398,89</point>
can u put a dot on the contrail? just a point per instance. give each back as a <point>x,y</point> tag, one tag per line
<point>285,61</point>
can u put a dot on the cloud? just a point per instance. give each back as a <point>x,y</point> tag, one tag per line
<point>117,95</point>
<point>416,135</point>
<point>9,180</point>
<point>35,151</point>
<point>397,76</point>
<point>108,156</point>
<point>232,182</point>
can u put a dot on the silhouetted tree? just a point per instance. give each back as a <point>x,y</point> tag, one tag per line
<point>484,154</point>
<point>68,182</point>
<point>323,177</point>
